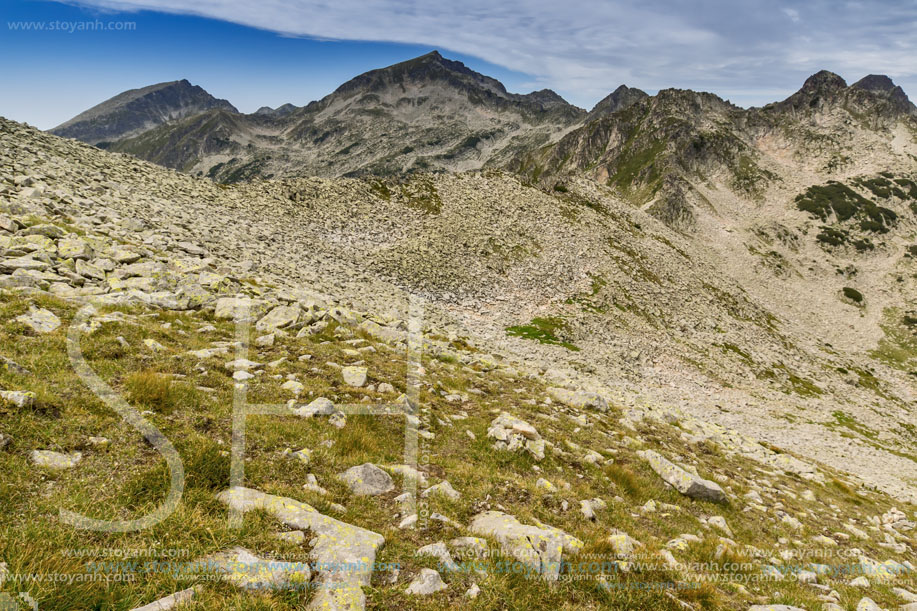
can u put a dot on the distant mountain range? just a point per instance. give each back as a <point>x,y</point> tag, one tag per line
<point>434,114</point>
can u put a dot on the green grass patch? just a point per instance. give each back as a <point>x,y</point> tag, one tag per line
<point>547,330</point>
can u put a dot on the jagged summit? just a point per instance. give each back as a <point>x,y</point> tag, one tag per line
<point>883,86</point>
<point>619,99</point>
<point>875,94</point>
<point>139,110</point>
<point>432,69</point>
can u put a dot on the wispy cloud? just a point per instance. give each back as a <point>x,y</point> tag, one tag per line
<point>742,49</point>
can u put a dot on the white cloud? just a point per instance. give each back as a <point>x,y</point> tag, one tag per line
<point>585,48</point>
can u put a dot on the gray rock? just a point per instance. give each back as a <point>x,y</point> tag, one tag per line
<point>579,399</point>
<point>40,320</point>
<point>367,479</point>
<point>443,488</point>
<point>354,376</point>
<point>514,434</point>
<point>344,554</point>
<point>169,602</point>
<point>296,537</point>
<point>18,398</point>
<point>868,604</point>
<point>439,551</point>
<point>279,317</point>
<point>589,506</point>
<point>56,460</point>
<point>427,582</point>
<point>539,547</point>
<point>686,483</point>
<point>246,570</point>
<point>319,407</point>
<point>74,248</point>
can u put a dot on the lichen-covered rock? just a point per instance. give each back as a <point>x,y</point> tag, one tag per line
<point>579,399</point>
<point>56,460</point>
<point>279,317</point>
<point>40,320</point>
<point>246,570</point>
<point>18,398</point>
<point>367,480</point>
<point>444,488</point>
<point>343,554</point>
<point>354,376</point>
<point>539,547</point>
<point>686,483</point>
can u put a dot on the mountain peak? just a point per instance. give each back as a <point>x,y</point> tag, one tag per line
<point>882,86</point>
<point>427,68</point>
<point>876,82</point>
<point>137,110</point>
<point>822,86</point>
<point>619,99</point>
<point>824,80</point>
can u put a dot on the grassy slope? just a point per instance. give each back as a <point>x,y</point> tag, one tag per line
<point>127,478</point>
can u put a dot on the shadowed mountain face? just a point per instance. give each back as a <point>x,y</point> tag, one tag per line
<point>139,110</point>
<point>429,113</point>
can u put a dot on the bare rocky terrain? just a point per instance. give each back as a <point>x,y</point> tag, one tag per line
<point>669,329</point>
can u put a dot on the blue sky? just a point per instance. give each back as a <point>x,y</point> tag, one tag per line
<point>274,51</point>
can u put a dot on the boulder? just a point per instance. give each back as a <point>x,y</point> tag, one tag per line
<point>343,554</point>
<point>427,582</point>
<point>354,376</point>
<point>40,320</point>
<point>367,480</point>
<point>279,317</point>
<point>686,483</point>
<point>539,547</point>
<point>579,399</point>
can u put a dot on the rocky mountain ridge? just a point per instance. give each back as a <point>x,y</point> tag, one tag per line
<point>139,110</point>
<point>429,113</point>
<point>541,476</point>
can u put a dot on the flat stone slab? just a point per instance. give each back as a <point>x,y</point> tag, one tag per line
<point>343,554</point>
<point>40,320</point>
<point>686,483</point>
<point>538,546</point>
<point>56,460</point>
<point>169,602</point>
<point>579,399</point>
<point>246,570</point>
